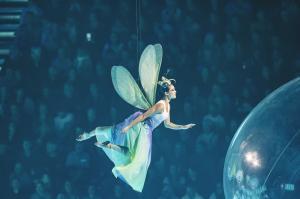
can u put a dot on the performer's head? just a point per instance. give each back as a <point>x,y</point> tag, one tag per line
<point>166,89</point>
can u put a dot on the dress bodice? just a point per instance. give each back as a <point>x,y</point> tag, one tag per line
<point>156,119</point>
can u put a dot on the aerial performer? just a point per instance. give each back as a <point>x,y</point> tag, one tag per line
<point>128,144</point>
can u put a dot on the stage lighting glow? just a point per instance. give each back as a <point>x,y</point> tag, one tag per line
<point>252,159</point>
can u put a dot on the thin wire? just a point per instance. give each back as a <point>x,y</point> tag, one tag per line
<point>140,20</point>
<point>137,31</point>
<point>138,28</point>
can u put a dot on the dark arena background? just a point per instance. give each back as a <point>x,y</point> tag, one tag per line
<point>55,83</point>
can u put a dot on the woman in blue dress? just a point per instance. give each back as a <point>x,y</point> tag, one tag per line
<point>129,143</point>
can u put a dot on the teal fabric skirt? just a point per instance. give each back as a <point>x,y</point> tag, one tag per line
<point>131,164</point>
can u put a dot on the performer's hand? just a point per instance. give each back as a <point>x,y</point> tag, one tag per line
<point>125,129</point>
<point>188,126</point>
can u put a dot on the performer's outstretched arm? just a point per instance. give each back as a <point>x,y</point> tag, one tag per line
<point>170,125</point>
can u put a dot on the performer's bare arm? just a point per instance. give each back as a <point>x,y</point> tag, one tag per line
<point>170,125</point>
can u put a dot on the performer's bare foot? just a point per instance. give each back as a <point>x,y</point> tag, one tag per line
<point>83,136</point>
<point>106,144</point>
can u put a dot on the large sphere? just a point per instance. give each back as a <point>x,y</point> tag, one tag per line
<point>263,159</point>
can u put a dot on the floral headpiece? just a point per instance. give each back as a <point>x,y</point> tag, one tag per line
<point>165,82</point>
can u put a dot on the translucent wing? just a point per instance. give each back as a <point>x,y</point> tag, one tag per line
<point>127,88</point>
<point>149,68</point>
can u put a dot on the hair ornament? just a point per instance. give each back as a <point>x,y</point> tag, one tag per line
<point>165,82</point>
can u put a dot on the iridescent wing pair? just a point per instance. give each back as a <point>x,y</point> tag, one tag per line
<point>149,67</point>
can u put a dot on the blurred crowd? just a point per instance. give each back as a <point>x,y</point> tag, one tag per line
<point>225,56</point>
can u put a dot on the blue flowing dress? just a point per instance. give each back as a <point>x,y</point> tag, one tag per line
<point>132,163</point>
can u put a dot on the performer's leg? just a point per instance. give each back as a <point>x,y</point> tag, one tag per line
<point>107,144</point>
<point>100,129</point>
<point>85,135</point>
